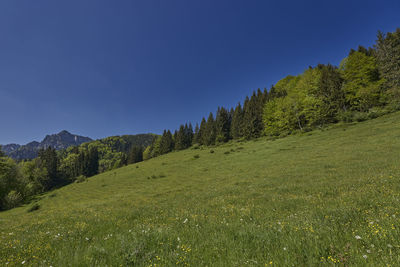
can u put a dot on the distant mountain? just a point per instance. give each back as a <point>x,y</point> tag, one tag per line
<point>59,141</point>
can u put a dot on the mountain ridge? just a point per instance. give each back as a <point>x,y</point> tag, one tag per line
<point>61,140</point>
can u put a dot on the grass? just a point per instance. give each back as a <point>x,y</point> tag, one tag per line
<point>324,198</point>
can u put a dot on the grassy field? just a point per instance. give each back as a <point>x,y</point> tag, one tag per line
<point>319,199</point>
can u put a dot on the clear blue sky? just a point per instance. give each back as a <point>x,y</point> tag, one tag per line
<point>101,68</point>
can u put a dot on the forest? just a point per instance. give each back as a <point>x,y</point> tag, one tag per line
<point>365,85</point>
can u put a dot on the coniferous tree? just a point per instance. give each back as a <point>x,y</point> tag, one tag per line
<point>252,118</point>
<point>196,134</point>
<point>167,142</point>
<point>135,154</point>
<point>209,135</point>
<point>202,131</point>
<point>237,121</point>
<point>49,161</point>
<point>180,138</point>
<point>222,125</point>
<point>188,135</point>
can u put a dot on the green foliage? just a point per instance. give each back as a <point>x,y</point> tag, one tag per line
<point>135,155</point>
<point>362,86</point>
<point>222,125</point>
<point>13,199</point>
<point>388,61</point>
<point>237,121</point>
<point>209,134</point>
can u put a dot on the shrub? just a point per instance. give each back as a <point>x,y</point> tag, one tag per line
<point>80,179</point>
<point>227,152</point>
<point>212,151</point>
<point>13,199</point>
<point>196,156</point>
<point>361,116</point>
<point>34,207</point>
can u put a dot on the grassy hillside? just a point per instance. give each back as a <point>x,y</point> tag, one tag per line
<point>322,198</point>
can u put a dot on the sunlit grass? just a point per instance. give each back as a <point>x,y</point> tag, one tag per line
<point>322,198</point>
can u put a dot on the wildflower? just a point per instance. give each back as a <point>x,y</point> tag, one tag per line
<point>365,256</point>
<point>185,221</point>
<point>368,251</point>
<point>23,262</point>
<point>357,237</point>
<point>390,246</point>
<point>179,240</point>
<point>87,239</point>
<point>284,248</point>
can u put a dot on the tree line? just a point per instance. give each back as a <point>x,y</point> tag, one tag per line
<point>365,85</point>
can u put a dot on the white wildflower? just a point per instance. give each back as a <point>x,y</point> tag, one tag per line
<point>23,262</point>
<point>357,237</point>
<point>368,251</point>
<point>365,256</point>
<point>284,248</point>
<point>390,246</point>
<point>185,221</point>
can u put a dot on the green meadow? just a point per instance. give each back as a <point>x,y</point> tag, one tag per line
<point>322,198</point>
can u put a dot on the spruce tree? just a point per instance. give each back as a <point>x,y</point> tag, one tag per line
<point>236,125</point>
<point>222,125</point>
<point>202,131</point>
<point>180,138</point>
<point>196,134</point>
<point>210,135</point>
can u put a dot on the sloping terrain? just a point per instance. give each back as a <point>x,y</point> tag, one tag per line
<point>321,198</point>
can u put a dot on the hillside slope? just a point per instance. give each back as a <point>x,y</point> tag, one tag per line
<point>322,198</point>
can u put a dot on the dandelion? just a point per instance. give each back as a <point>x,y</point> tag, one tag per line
<point>357,237</point>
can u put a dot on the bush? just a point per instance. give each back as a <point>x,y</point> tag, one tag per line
<point>212,151</point>
<point>196,156</point>
<point>361,116</point>
<point>13,199</point>
<point>81,179</point>
<point>34,207</point>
